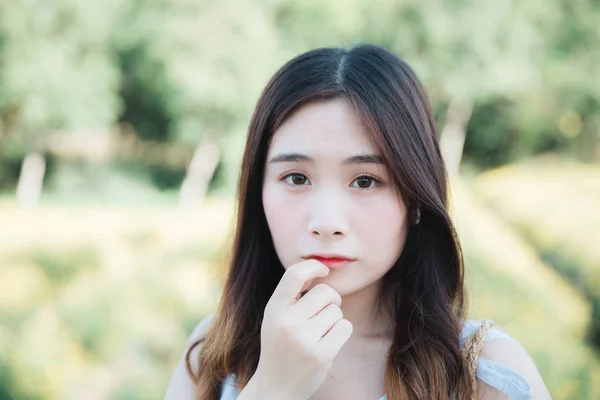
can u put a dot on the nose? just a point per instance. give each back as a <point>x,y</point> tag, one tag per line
<point>327,217</point>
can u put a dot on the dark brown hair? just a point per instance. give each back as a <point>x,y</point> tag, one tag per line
<point>424,287</point>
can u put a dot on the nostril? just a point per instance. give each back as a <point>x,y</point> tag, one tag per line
<point>326,232</point>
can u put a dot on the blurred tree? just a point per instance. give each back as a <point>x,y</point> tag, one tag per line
<point>187,73</point>
<point>484,57</point>
<point>192,71</point>
<point>55,73</point>
<point>467,52</point>
<point>562,114</point>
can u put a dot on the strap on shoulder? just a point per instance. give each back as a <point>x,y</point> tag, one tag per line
<point>494,374</point>
<point>471,349</point>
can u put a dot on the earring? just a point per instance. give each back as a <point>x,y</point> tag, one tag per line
<point>417,216</point>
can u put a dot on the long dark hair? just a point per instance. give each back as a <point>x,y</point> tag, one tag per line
<point>425,286</point>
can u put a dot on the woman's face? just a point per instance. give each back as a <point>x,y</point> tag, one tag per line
<point>326,192</point>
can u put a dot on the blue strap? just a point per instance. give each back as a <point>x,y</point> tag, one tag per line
<point>505,379</point>
<point>496,375</point>
<point>229,389</point>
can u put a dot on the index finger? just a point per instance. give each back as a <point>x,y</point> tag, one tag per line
<point>295,277</point>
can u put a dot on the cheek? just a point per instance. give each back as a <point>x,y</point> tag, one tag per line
<point>384,229</point>
<point>283,217</point>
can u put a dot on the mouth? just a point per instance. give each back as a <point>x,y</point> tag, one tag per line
<point>332,261</point>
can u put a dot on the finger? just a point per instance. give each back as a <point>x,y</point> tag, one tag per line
<point>316,300</point>
<point>305,289</point>
<point>333,341</point>
<point>320,324</point>
<point>294,279</point>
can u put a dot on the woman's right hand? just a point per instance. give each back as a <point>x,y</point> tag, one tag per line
<point>300,336</point>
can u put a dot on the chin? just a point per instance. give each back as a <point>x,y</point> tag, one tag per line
<point>344,288</point>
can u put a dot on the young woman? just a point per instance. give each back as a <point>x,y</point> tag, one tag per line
<point>347,278</point>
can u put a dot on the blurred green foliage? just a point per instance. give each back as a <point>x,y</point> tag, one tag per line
<point>510,282</point>
<point>560,218</point>
<point>186,71</point>
<point>101,307</point>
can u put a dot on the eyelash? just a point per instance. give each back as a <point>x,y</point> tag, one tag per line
<point>376,181</point>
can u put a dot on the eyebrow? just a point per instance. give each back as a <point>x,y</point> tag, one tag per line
<point>357,159</point>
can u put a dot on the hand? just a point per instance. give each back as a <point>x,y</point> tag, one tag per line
<point>300,336</point>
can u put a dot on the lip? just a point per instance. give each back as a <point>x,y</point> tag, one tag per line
<point>332,261</point>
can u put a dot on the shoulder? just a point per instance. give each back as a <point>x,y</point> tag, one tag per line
<point>198,333</point>
<point>181,385</point>
<point>505,364</point>
<point>200,330</point>
<point>511,354</point>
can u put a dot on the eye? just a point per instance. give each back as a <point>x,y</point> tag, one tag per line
<point>296,179</point>
<point>365,182</point>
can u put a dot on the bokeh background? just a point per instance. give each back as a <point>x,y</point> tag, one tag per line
<point>122,124</point>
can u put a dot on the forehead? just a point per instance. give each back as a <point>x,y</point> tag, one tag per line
<point>327,126</point>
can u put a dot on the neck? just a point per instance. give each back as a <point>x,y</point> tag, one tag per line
<point>361,309</point>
